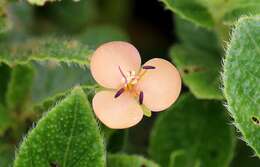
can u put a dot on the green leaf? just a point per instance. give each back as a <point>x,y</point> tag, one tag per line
<point>67,136</point>
<point>199,128</point>
<point>192,11</point>
<point>199,70</point>
<point>123,160</point>
<point>241,79</point>
<point>19,88</point>
<point>60,50</point>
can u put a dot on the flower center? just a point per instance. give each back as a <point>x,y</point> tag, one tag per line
<point>129,81</point>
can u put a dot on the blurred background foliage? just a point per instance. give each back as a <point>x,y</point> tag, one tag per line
<point>156,32</point>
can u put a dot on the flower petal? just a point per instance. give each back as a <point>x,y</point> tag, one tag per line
<point>117,113</point>
<point>161,86</point>
<point>107,59</point>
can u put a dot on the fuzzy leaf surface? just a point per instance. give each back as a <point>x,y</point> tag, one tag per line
<point>67,136</point>
<point>242,77</point>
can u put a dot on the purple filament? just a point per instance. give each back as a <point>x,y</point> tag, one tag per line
<point>141,97</point>
<point>119,92</point>
<point>122,74</point>
<point>148,67</point>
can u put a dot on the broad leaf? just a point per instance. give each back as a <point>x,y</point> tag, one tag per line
<point>123,160</point>
<point>241,79</point>
<point>60,50</point>
<point>200,71</point>
<point>67,136</point>
<point>199,128</point>
<point>191,10</point>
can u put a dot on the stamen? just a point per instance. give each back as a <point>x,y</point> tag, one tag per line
<point>148,67</point>
<point>119,92</point>
<point>122,74</point>
<point>141,97</point>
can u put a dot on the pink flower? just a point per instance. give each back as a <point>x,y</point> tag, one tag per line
<point>129,87</point>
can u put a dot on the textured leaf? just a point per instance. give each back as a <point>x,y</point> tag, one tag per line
<point>67,136</point>
<point>123,160</point>
<point>199,70</point>
<point>61,50</point>
<point>199,128</point>
<point>241,79</point>
<point>19,87</point>
<point>191,10</point>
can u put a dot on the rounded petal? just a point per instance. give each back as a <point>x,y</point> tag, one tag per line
<point>117,113</point>
<point>161,86</point>
<point>107,59</point>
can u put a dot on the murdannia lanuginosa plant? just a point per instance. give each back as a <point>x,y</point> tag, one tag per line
<point>129,83</point>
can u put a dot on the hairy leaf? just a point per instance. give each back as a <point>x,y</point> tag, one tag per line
<point>67,136</point>
<point>199,70</point>
<point>241,79</point>
<point>199,128</point>
<point>124,160</point>
<point>60,50</point>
